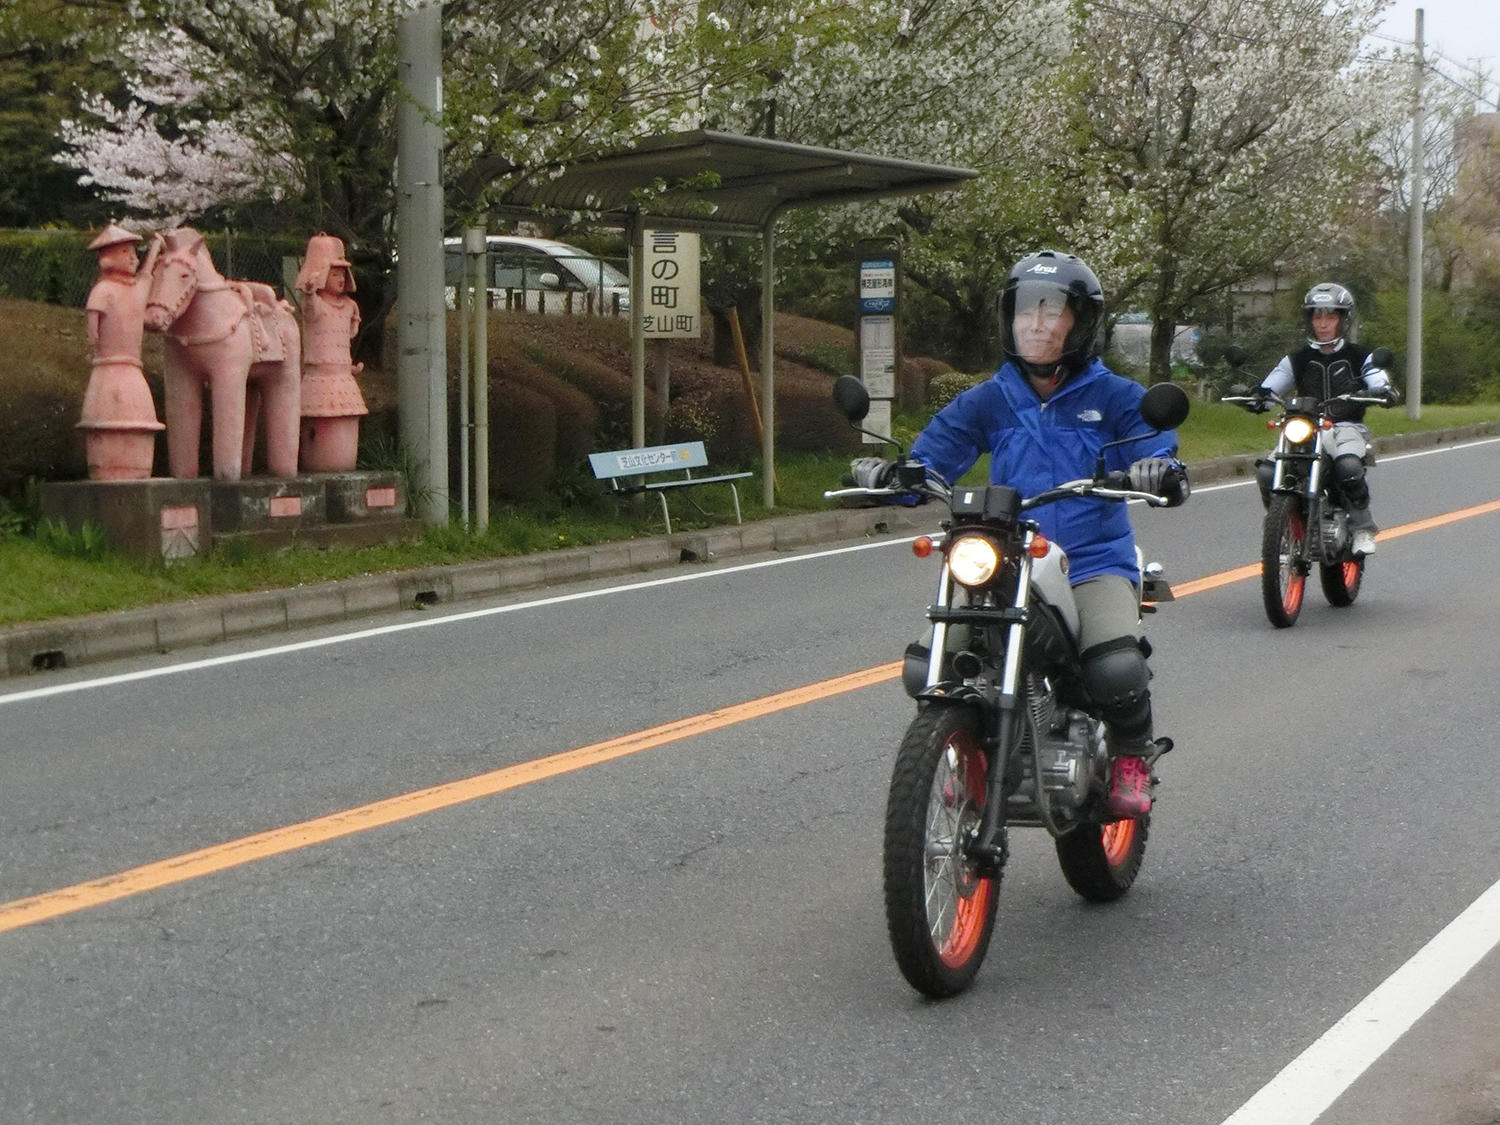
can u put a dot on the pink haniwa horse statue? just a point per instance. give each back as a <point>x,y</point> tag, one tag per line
<point>237,338</point>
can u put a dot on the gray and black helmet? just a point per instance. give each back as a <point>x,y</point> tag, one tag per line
<point>1321,298</point>
<point>1052,275</point>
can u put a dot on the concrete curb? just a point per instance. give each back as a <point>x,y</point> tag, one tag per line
<point>92,638</point>
<point>89,639</point>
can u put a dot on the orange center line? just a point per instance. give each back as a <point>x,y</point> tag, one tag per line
<point>247,849</point>
<point>1240,573</point>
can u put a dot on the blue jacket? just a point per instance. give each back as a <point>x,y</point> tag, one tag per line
<point>1034,445</point>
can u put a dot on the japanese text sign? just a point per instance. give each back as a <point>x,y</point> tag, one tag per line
<point>672,304</point>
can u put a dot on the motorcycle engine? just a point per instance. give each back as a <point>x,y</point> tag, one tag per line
<point>1335,534</point>
<point>1066,752</point>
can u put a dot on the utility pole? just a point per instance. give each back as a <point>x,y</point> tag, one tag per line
<point>1414,242</point>
<point>422,366</point>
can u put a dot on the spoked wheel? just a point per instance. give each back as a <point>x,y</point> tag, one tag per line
<point>1341,580</point>
<point>940,908</point>
<point>1101,861</point>
<point>1283,545</point>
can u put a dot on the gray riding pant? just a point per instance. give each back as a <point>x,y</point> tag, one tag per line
<point>1107,608</point>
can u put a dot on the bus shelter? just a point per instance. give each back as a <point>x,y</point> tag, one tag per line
<point>726,185</point>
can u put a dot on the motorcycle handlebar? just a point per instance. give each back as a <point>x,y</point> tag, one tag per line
<point>1256,400</point>
<point>1112,486</point>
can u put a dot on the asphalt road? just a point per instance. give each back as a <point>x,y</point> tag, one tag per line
<point>500,902</point>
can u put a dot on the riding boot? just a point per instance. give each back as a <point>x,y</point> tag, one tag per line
<point>1362,531</point>
<point>1130,733</point>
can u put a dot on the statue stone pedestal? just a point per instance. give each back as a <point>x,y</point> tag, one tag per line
<point>168,518</point>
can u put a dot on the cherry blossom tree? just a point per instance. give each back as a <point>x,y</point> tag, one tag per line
<point>249,103</point>
<point>1217,138</point>
<point>563,80</point>
<point>949,82</point>
<point>1181,148</point>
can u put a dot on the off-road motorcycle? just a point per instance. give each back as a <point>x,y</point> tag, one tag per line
<point>1307,517</point>
<point>1005,733</point>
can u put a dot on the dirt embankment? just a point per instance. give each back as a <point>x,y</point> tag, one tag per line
<point>559,389</point>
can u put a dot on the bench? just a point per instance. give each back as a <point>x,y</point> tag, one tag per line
<point>625,470</point>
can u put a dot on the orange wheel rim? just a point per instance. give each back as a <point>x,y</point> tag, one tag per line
<point>1292,581</point>
<point>1292,601</point>
<point>1117,838</point>
<point>955,875</point>
<point>968,924</point>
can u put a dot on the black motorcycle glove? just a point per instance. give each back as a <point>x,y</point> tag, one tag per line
<point>1391,395</point>
<point>872,472</point>
<point>1262,401</point>
<point>1166,477</point>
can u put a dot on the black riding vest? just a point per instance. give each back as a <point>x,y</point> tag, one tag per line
<point>1326,374</point>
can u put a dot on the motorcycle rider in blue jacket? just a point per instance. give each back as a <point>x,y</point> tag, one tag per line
<point>1043,418</point>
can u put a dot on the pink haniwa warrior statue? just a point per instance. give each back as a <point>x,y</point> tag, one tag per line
<point>118,419</point>
<point>238,339</point>
<point>331,401</point>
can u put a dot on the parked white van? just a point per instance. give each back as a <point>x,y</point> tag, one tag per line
<point>542,275</point>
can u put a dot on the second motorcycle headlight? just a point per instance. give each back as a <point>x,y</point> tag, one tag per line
<point>1297,430</point>
<point>973,560</point>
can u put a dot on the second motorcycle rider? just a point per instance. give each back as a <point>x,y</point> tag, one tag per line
<point>1045,418</point>
<point>1333,364</point>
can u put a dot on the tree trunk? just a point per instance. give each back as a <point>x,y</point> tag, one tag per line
<point>1162,334</point>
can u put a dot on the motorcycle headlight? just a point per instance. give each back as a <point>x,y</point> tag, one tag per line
<point>1297,430</point>
<point>973,560</point>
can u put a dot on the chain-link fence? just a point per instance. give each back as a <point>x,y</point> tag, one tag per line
<point>55,267</point>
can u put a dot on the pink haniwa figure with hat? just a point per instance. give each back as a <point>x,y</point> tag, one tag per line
<point>118,417</point>
<point>331,400</point>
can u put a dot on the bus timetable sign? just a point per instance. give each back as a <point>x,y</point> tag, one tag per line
<point>877,285</point>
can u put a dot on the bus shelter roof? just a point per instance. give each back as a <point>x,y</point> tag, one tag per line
<point>721,183</point>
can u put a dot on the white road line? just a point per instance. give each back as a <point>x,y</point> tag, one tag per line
<point>1315,1079</point>
<point>430,622</point>
<point>448,619</point>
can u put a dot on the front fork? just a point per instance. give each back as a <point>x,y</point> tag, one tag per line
<point>1309,490</point>
<point>1000,705</point>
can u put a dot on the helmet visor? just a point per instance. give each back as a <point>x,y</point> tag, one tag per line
<point>1042,322</point>
<point>1325,325</point>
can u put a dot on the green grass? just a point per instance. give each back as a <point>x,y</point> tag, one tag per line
<point>1215,430</point>
<point>51,574</point>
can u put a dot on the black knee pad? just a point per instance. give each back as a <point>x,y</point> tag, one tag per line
<point>1115,673</point>
<point>1349,471</point>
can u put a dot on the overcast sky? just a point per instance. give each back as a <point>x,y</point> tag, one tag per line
<point>1465,31</point>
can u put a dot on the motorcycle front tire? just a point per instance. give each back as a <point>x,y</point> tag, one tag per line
<point>939,907</point>
<point>1283,547</point>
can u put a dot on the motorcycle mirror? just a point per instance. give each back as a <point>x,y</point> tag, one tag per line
<point>1234,355</point>
<point>1382,357</point>
<point>850,398</point>
<point>1165,406</point>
